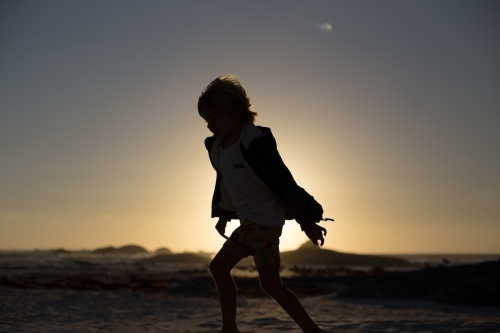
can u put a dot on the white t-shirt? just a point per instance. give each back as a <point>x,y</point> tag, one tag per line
<point>253,202</point>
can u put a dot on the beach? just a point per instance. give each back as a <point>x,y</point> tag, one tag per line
<point>57,291</point>
<point>56,310</point>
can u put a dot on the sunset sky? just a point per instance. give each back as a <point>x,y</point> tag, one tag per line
<point>387,112</point>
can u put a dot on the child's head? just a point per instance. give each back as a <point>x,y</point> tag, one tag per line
<point>226,94</point>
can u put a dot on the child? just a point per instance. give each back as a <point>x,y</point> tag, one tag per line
<point>253,185</point>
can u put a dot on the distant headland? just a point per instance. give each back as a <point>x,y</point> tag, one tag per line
<point>306,254</point>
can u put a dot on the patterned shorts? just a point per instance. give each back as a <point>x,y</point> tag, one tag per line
<point>261,241</point>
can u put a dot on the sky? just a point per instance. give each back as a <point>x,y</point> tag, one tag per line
<point>387,112</point>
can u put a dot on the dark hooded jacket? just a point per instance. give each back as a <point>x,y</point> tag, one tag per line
<point>261,159</point>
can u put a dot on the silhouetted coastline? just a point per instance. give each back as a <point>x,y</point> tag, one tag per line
<point>313,255</point>
<point>132,268</point>
<point>127,249</point>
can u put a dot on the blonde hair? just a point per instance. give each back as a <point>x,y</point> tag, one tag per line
<point>226,94</point>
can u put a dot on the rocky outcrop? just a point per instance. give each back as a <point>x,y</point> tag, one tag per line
<point>127,249</point>
<point>163,250</point>
<point>308,254</point>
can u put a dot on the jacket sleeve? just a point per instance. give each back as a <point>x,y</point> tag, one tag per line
<point>273,171</point>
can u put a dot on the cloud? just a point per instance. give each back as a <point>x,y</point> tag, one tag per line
<point>325,26</point>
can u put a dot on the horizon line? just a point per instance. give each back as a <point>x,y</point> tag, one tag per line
<point>210,252</point>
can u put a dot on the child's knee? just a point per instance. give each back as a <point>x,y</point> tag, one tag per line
<point>218,267</point>
<point>214,267</point>
<point>270,287</point>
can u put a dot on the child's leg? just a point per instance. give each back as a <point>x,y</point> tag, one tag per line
<point>270,282</point>
<point>220,267</point>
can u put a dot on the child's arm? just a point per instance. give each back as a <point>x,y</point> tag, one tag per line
<point>267,163</point>
<point>221,226</point>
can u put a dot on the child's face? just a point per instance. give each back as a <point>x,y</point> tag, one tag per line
<point>221,124</point>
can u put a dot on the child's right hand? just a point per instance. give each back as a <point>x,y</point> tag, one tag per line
<point>316,234</point>
<point>221,227</point>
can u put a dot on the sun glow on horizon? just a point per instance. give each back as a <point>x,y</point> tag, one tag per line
<point>392,130</point>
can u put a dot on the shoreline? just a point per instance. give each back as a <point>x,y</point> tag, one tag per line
<point>48,310</point>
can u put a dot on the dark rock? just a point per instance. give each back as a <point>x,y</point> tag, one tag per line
<point>309,254</point>
<point>131,249</point>
<point>105,250</point>
<point>61,251</point>
<point>163,250</point>
<point>127,249</point>
<point>477,284</point>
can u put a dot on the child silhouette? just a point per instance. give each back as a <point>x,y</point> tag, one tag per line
<point>252,185</point>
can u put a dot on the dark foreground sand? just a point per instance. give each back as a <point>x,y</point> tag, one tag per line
<point>47,310</point>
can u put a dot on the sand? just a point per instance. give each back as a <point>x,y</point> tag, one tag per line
<point>55,310</point>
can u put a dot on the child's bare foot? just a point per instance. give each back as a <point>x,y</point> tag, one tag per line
<point>229,330</point>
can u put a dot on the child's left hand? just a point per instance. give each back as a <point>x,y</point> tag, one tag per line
<point>221,227</point>
<point>315,234</point>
